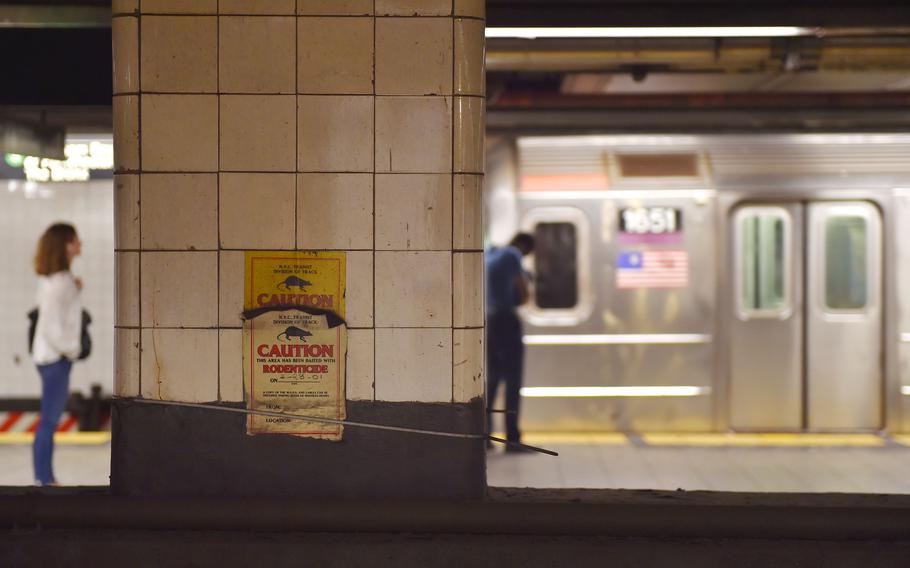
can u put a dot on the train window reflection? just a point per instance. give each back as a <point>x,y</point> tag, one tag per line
<point>763,239</point>
<point>556,265</point>
<point>845,263</point>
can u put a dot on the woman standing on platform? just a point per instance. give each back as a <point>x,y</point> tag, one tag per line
<point>58,336</point>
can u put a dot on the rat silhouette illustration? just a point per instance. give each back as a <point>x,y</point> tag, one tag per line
<point>293,331</point>
<point>294,281</point>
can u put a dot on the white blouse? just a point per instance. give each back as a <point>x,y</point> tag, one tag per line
<point>58,332</point>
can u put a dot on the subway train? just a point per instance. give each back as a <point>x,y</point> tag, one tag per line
<point>711,283</point>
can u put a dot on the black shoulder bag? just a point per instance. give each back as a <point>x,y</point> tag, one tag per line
<point>86,338</point>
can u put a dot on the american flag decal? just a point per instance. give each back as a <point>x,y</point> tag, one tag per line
<point>652,269</point>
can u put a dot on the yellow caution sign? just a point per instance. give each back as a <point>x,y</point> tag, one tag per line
<point>295,278</point>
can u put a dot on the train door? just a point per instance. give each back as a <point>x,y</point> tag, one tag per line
<point>806,330</point>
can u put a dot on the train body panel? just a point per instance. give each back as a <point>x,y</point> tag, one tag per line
<point>697,283</point>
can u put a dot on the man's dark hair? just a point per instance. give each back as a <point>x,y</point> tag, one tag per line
<point>523,242</point>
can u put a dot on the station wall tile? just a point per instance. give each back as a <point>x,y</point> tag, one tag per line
<point>126,132</point>
<point>126,211</point>
<point>334,7</point>
<point>468,289</point>
<point>469,134</point>
<point>230,287</point>
<point>268,7</point>
<point>178,289</point>
<point>126,362</point>
<point>127,271</point>
<point>413,211</point>
<point>125,38</point>
<point>335,55</point>
<point>335,133</point>
<point>179,6</point>
<point>230,365</point>
<point>359,365</point>
<point>414,56</point>
<point>256,54</point>
<point>414,134</point>
<point>256,210</point>
<point>179,54</point>
<point>473,8</point>
<point>179,211</point>
<point>470,77</point>
<point>257,133</point>
<point>413,7</point>
<point>335,211</point>
<point>414,365</point>
<point>179,133</point>
<point>358,300</point>
<point>180,364</point>
<point>467,232</point>
<point>413,289</point>
<point>467,364</point>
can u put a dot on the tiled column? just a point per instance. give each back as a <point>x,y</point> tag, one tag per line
<point>349,125</point>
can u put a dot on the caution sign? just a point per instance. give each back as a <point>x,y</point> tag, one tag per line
<point>294,364</point>
<point>295,278</point>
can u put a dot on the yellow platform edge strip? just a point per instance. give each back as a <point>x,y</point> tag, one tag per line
<point>63,438</point>
<point>657,439</point>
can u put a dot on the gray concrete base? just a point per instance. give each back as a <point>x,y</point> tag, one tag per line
<point>179,452</point>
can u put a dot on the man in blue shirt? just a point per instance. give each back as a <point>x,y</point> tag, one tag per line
<point>506,289</point>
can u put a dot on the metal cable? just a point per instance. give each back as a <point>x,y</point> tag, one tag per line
<point>345,423</point>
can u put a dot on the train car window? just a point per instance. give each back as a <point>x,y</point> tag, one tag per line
<point>845,263</point>
<point>556,265</point>
<point>763,240</point>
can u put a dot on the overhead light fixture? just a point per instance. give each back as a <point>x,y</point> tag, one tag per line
<point>666,32</point>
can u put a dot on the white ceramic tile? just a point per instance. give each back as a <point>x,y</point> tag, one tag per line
<point>125,48</point>
<point>359,379</point>
<point>179,211</point>
<point>413,7</point>
<point>127,264</point>
<point>335,133</point>
<point>125,6</point>
<point>179,289</point>
<point>256,54</point>
<point>256,211</point>
<point>230,288</point>
<point>335,211</point>
<point>414,134</point>
<point>125,110</point>
<point>468,289</point>
<point>179,6</point>
<point>413,289</point>
<point>334,7</point>
<point>180,364</point>
<point>469,57</point>
<point>414,56</point>
<point>126,362</point>
<point>358,299</point>
<point>470,129</point>
<point>267,7</point>
<point>179,54</point>
<point>335,55</point>
<point>414,365</point>
<point>257,133</point>
<point>468,363</point>
<point>179,133</point>
<point>472,8</point>
<point>467,215</point>
<point>230,367</point>
<point>414,211</point>
<point>126,211</point>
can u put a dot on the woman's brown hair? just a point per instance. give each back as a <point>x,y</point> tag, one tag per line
<point>51,255</point>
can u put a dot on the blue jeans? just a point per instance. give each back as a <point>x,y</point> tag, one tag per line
<point>505,360</point>
<point>55,385</point>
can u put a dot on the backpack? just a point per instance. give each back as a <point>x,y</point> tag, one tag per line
<point>86,338</point>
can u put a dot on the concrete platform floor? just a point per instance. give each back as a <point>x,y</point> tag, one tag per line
<point>858,463</point>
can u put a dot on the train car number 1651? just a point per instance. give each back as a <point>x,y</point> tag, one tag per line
<point>650,220</point>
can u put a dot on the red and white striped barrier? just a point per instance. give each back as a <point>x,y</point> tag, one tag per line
<point>18,421</point>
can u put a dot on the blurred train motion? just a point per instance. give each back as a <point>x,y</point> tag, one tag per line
<point>711,282</point>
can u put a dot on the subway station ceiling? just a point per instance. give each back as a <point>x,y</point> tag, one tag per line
<point>847,70</point>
